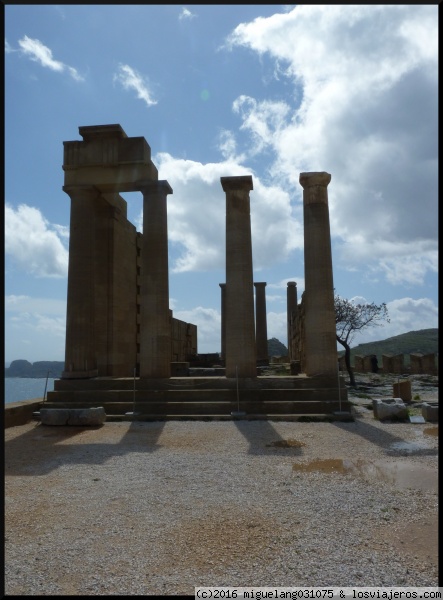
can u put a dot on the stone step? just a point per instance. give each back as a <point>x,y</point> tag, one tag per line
<point>210,408</point>
<point>248,417</point>
<point>208,396</point>
<point>195,383</point>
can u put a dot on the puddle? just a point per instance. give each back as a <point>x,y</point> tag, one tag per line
<point>401,475</point>
<point>409,447</point>
<point>286,444</point>
<point>431,431</point>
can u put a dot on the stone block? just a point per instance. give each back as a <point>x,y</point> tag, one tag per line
<point>389,408</point>
<point>179,369</point>
<point>402,389</point>
<point>429,411</point>
<point>295,367</point>
<point>358,364</point>
<point>73,416</point>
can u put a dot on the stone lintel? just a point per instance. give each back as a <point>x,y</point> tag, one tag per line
<point>92,132</point>
<point>154,187</point>
<point>315,178</point>
<point>242,182</point>
<point>120,178</point>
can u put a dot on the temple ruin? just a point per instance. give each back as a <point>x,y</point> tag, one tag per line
<point>123,344</point>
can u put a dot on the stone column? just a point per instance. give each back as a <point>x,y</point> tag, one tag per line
<point>261,327</point>
<point>155,324</point>
<point>320,340</point>
<point>240,328</point>
<point>291,302</point>
<point>80,355</point>
<point>223,321</point>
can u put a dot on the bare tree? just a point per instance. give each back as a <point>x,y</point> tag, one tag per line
<point>351,318</point>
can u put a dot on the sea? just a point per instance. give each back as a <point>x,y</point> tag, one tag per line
<point>24,388</point>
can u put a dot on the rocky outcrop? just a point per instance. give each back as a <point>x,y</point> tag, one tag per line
<point>23,368</point>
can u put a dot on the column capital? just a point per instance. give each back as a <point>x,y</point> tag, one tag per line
<point>81,190</point>
<point>259,283</point>
<point>320,178</point>
<point>222,285</point>
<point>239,183</point>
<point>292,284</point>
<point>154,187</point>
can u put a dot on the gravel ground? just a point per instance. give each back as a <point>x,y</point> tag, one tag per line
<point>158,508</point>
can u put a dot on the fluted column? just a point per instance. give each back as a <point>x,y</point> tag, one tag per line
<point>291,301</point>
<point>261,327</point>
<point>320,340</point>
<point>155,326</point>
<point>240,327</point>
<point>223,320</point>
<point>80,354</point>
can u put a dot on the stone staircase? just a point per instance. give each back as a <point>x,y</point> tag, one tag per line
<point>272,398</point>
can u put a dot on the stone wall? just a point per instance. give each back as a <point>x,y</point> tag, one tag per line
<point>423,364</point>
<point>184,340</point>
<point>20,413</point>
<point>419,364</point>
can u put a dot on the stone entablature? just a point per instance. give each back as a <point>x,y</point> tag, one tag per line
<point>108,159</point>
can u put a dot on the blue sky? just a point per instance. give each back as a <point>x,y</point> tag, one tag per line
<point>269,91</point>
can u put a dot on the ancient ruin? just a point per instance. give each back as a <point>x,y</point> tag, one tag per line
<point>124,348</point>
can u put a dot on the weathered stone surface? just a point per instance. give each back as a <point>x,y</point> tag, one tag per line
<point>403,390</point>
<point>320,331</point>
<point>155,327</point>
<point>241,353</point>
<point>429,411</point>
<point>388,408</point>
<point>73,416</point>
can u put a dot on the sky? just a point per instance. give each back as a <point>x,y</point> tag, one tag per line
<point>223,90</point>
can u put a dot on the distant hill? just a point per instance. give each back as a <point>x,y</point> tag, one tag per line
<point>276,348</point>
<point>23,368</point>
<point>423,341</point>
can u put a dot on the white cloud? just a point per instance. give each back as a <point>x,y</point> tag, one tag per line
<point>8,47</point>
<point>40,53</point>
<point>364,108</point>
<point>277,326</point>
<point>33,244</point>
<point>28,304</point>
<point>197,215</point>
<point>399,262</point>
<point>132,80</point>
<point>39,323</point>
<point>228,146</point>
<point>283,284</point>
<point>186,14</point>
<point>405,314</point>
